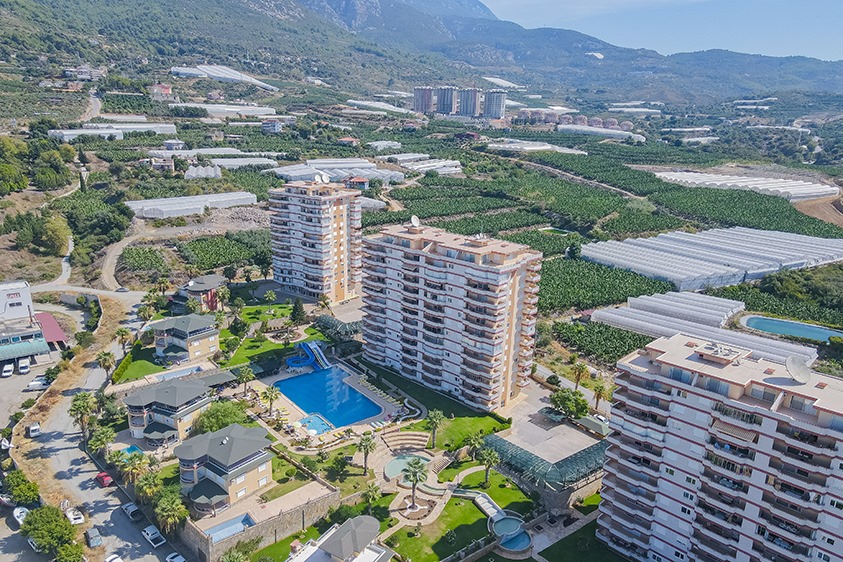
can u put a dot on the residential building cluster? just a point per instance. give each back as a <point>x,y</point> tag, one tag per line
<point>467,102</point>
<point>26,337</point>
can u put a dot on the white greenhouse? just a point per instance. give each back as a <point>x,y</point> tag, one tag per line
<point>793,190</point>
<point>193,205</point>
<point>715,258</point>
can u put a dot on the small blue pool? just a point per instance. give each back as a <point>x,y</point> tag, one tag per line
<point>317,423</point>
<point>519,542</point>
<point>230,528</point>
<point>132,449</point>
<point>177,374</point>
<point>325,392</point>
<point>791,328</point>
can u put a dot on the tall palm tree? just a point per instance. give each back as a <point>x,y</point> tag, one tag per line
<point>601,392</point>
<point>162,284</point>
<point>136,465</point>
<point>488,458</point>
<point>324,303</point>
<point>367,445</point>
<point>105,359</point>
<point>223,296</point>
<point>123,335</point>
<point>579,371</point>
<point>100,439</point>
<point>269,297</point>
<point>82,407</point>
<point>146,312</point>
<point>234,556</point>
<point>116,457</point>
<point>170,512</point>
<point>435,418</point>
<point>474,442</point>
<point>371,494</point>
<point>147,486</point>
<point>270,394</point>
<point>415,472</point>
<point>244,376</point>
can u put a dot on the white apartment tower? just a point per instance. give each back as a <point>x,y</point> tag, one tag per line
<point>454,313</point>
<point>494,104</point>
<point>423,99</point>
<point>447,99</point>
<point>470,102</point>
<point>717,456</point>
<point>315,230</point>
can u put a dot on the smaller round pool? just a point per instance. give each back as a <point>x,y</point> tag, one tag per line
<point>507,526</point>
<point>395,467</point>
<point>519,542</point>
<point>790,328</point>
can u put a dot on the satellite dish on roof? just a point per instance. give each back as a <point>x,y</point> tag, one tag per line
<point>797,369</point>
<point>414,220</point>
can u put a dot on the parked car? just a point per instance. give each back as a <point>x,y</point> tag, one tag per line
<point>7,500</point>
<point>104,479</point>
<point>33,546</point>
<point>153,536</point>
<point>113,558</point>
<point>122,290</point>
<point>132,510</point>
<point>20,514</point>
<point>175,557</point>
<point>23,366</point>
<point>601,418</point>
<point>93,537</point>
<point>38,383</point>
<point>8,369</point>
<point>34,430</point>
<point>74,516</point>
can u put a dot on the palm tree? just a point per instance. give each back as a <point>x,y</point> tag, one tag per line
<point>488,458</point>
<point>81,409</point>
<point>600,393</point>
<point>474,442</point>
<point>434,421</point>
<point>244,376</point>
<point>147,486</point>
<point>116,458</point>
<point>234,556</point>
<point>269,297</point>
<point>136,465</point>
<point>223,295</point>
<point>415,472</point>
<point>579,371</point>
<point>192,271</point>
<point>266,269</point>
<point>150,298</point>
<point>106,360</point>
<point>324,303</point>
<point>122,335</point>
<point>270,394</point>
<point>170,512</point>
<point>100,439</point>
<point>367,445</point>
<point>146,312</point>
<point>371,494</point>
<point>162,284</point>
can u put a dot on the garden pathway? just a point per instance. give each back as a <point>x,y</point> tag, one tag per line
<point>552,535</point>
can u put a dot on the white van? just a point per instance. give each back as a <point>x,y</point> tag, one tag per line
<point>23,366</point>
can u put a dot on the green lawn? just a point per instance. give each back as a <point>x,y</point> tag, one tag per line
<point>117,425</point>
<point>169,474</point>
<point>460,421</point>
<point>142,365</point>
<point>589,504</point>
<point>579,546</point>
<point>269,351</point>
<point>459,515</point>
<point>281,550</point>
<point>260,313</point>
<point>506,496</point>
<point>450,472</point>
<point>350,482</point>
<point>286,484</point>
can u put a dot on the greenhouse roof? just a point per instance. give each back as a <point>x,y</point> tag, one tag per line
<point>561,474</point>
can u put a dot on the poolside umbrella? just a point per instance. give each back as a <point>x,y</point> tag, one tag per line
<point>297,424</point>
<point>311,432</point>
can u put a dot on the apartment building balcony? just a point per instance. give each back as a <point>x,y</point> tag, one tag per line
<point>787,529</point>
<point>642,402</point>
<point>531,300</point>
<point>631,461</point>
<point>776,547</point>
<point>492,360</point>
<point>719,446</point>
<point>701,556</point>
<point>725,482</point>
<point>712,547</point>
<point>484,323</point>
<point>726,465</point>
<point>642,386</point>
<point>641,418</point>
<point>638,493</point>
<point>431,381</point>
<point>493,304</point>
<point>373,310</point>
<point>746,419</point>
<point>373,261</point>
<point>478,400</point>
<point>531,289</point>
<point>791,509</point>
<point>719,500</point>
<point>629,444</point>
<point>634,477</point>
<point>797,476</point>
<point>630,505</point>
<point>493,291</point>
<point>530,310</point>
<point>631,520</point>
<point>479,393</point>
<point>621,540</point>
<point>801,458</point>
<point>725,535</point>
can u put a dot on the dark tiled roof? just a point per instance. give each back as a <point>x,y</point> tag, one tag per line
<point>226,447</point>
<point>157,430</point>
<point>174,394</point>
<point>204,283</point>
<point>216,379</point>
<point>208,492</point>
<point>188,323</point>
<point>351,537</point>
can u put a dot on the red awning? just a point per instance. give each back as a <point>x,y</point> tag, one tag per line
<point>52,331</point>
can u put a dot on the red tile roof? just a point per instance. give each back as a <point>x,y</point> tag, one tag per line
<point>52,331</point>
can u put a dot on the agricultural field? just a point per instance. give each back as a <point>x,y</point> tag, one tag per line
<point>548,243</point>
<point>631,222</point>
<point>578,284</point>
<point>492,223</point>
<point>142,258</point>
<point>797,309</point>
<point>599,341</point>
<point>212,252</point>
<point>431,208</point>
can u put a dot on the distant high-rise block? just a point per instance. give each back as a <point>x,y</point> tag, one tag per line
<point>423,99</point>
<point>470,102</point>
<point>447,100</point>
<point>316,239</point>
<point>494,106</point>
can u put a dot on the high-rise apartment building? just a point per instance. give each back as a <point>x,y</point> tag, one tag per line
<point>494,105</point>
<point>716,456</point>
<point>423,99</point>
<point>470,102</point>
<point>447,99</point>
<point>454,313</point>
<point>316,236</point>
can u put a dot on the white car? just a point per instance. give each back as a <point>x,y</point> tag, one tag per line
<point>175,557</point>
<point>23,366</point>
<point>132,510</point>
<point>153,536</point>
<point>113,558</point>
<point>33,546</point>
<point>74,516</point>
<point>38,383</point>
<point>8,369</point>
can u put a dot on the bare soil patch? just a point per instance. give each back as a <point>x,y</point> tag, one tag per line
<point>823,209</point>
<point>26,265</point>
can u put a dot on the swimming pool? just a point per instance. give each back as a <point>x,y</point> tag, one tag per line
<point>326,393</point>
<point>132,449</point>
<point>790,328</point>
<point>230,528</point>
<point>317,423</point>
<point>177,374</point>
<point>396,466</point>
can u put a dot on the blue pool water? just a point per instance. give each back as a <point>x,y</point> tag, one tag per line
<point>176,374</point>
<point>325,393</point>
<point>789,328</point>
<point>132,449</point>
<point>230,528</point>
<point>396,466</point>
<point>519,542</point>
<point>317,423</point>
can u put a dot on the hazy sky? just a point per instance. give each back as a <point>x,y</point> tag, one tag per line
<point>770,27</point>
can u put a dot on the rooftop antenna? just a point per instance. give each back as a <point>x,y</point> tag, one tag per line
<point>798,369</point>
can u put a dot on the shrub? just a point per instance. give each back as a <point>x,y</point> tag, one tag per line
<point>84,339</point>
<point>28,403</point>
<point>553,380</point>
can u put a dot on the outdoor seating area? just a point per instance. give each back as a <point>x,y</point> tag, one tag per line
<point>405,412</point>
